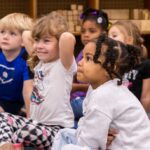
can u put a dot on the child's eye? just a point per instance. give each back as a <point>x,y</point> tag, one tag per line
<point>88,58</point>
<point>46,40</point>
<point>36,39</point>
<point>114,35</point>
<point>2,31</point>
<point>92,30</point>
<point>12,33</point>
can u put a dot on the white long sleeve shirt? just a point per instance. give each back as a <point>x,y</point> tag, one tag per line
<point>113,106</point>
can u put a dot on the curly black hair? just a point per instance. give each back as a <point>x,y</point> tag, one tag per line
<point>119,58</point>
<point>99,16</point>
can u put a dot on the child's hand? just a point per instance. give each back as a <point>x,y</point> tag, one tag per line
<point>111,136</point>
<point>65,36</point>
<point>1,109</point>
<point>28,41</point>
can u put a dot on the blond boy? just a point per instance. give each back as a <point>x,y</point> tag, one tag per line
<point>15,77</point>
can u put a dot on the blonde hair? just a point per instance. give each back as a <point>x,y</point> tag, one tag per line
<point>51,24</point>
<point>19,21</point>
<point>130,29</point>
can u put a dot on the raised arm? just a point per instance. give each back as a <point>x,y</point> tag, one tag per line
<point>66,49</point>
<point>27,41</point>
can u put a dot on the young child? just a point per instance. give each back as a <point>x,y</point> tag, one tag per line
<point>50,108</point>
<point>94,22</point>
<point>108,103</point>
<point>139,78</point>
<point>15,77</point>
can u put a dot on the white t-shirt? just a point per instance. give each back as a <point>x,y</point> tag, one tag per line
<point>50,101</point>
<point>113,106</point>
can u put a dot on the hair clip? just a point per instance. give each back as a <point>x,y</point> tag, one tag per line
<point>94,13</point>
<point>109,25</point>
<point>99,20</point>
<point>83,15</point>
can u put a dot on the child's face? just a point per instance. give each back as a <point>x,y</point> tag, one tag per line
<point>46,48</point>
<point>88,71</point>
<point>10,40</point>
<point>116,34</point>
<point>90,30</point>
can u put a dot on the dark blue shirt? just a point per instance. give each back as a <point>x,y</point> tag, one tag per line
<point>12,76</point>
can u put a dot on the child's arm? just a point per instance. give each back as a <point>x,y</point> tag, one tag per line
<point>96,125</point>
<point>27,41</point>
<point>145,96</point>
<point>79,87</point>
<point>66,48</point>
<point>27,90</point>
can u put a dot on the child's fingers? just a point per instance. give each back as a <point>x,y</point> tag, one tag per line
<point>111,136</point>
<point>1,109</point>
<point>112,132</point>
<point>109,140</point>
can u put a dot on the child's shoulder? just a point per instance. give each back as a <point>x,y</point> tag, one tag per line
<point>110,90</point>
<point>0,52</point>
<point>24,55</point>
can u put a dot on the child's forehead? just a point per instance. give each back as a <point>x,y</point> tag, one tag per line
<point>9,28</point>
<point>119,28</point>
<point>90,48</point>
<point>91,23</point>
<point>45,36</point>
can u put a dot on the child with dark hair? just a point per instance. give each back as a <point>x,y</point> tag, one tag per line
<point>94,22</point>
<point>108,102</point>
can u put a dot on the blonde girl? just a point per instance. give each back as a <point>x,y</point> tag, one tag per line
<point>54,66</point>
<point>139,78</point>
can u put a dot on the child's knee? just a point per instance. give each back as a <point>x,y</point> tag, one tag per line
<point>21,135</point>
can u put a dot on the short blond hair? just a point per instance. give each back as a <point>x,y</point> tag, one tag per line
<point>19,21</point>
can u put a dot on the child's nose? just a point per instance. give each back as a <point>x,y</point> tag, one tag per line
<point>5,35</point>
<point>39,44</point>
<point>86,34</point>
<point>80,62</point>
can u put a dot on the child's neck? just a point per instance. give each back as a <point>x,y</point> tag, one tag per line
<point>11,54</point>
<point>99,83</point>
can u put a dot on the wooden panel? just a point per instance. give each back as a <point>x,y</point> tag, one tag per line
<point>33,8</point>
<point>11,6</point>
<point>147,4</point>
<point>45,6</point>
<point>118,4</point>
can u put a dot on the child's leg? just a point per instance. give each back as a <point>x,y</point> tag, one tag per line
<point>77,107</point>
<point>64,137</point>
<point>37,135</point>
<point>12,107</point>
<point>9,124</point>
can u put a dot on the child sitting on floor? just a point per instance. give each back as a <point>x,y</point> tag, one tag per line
<point>108,102</point>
